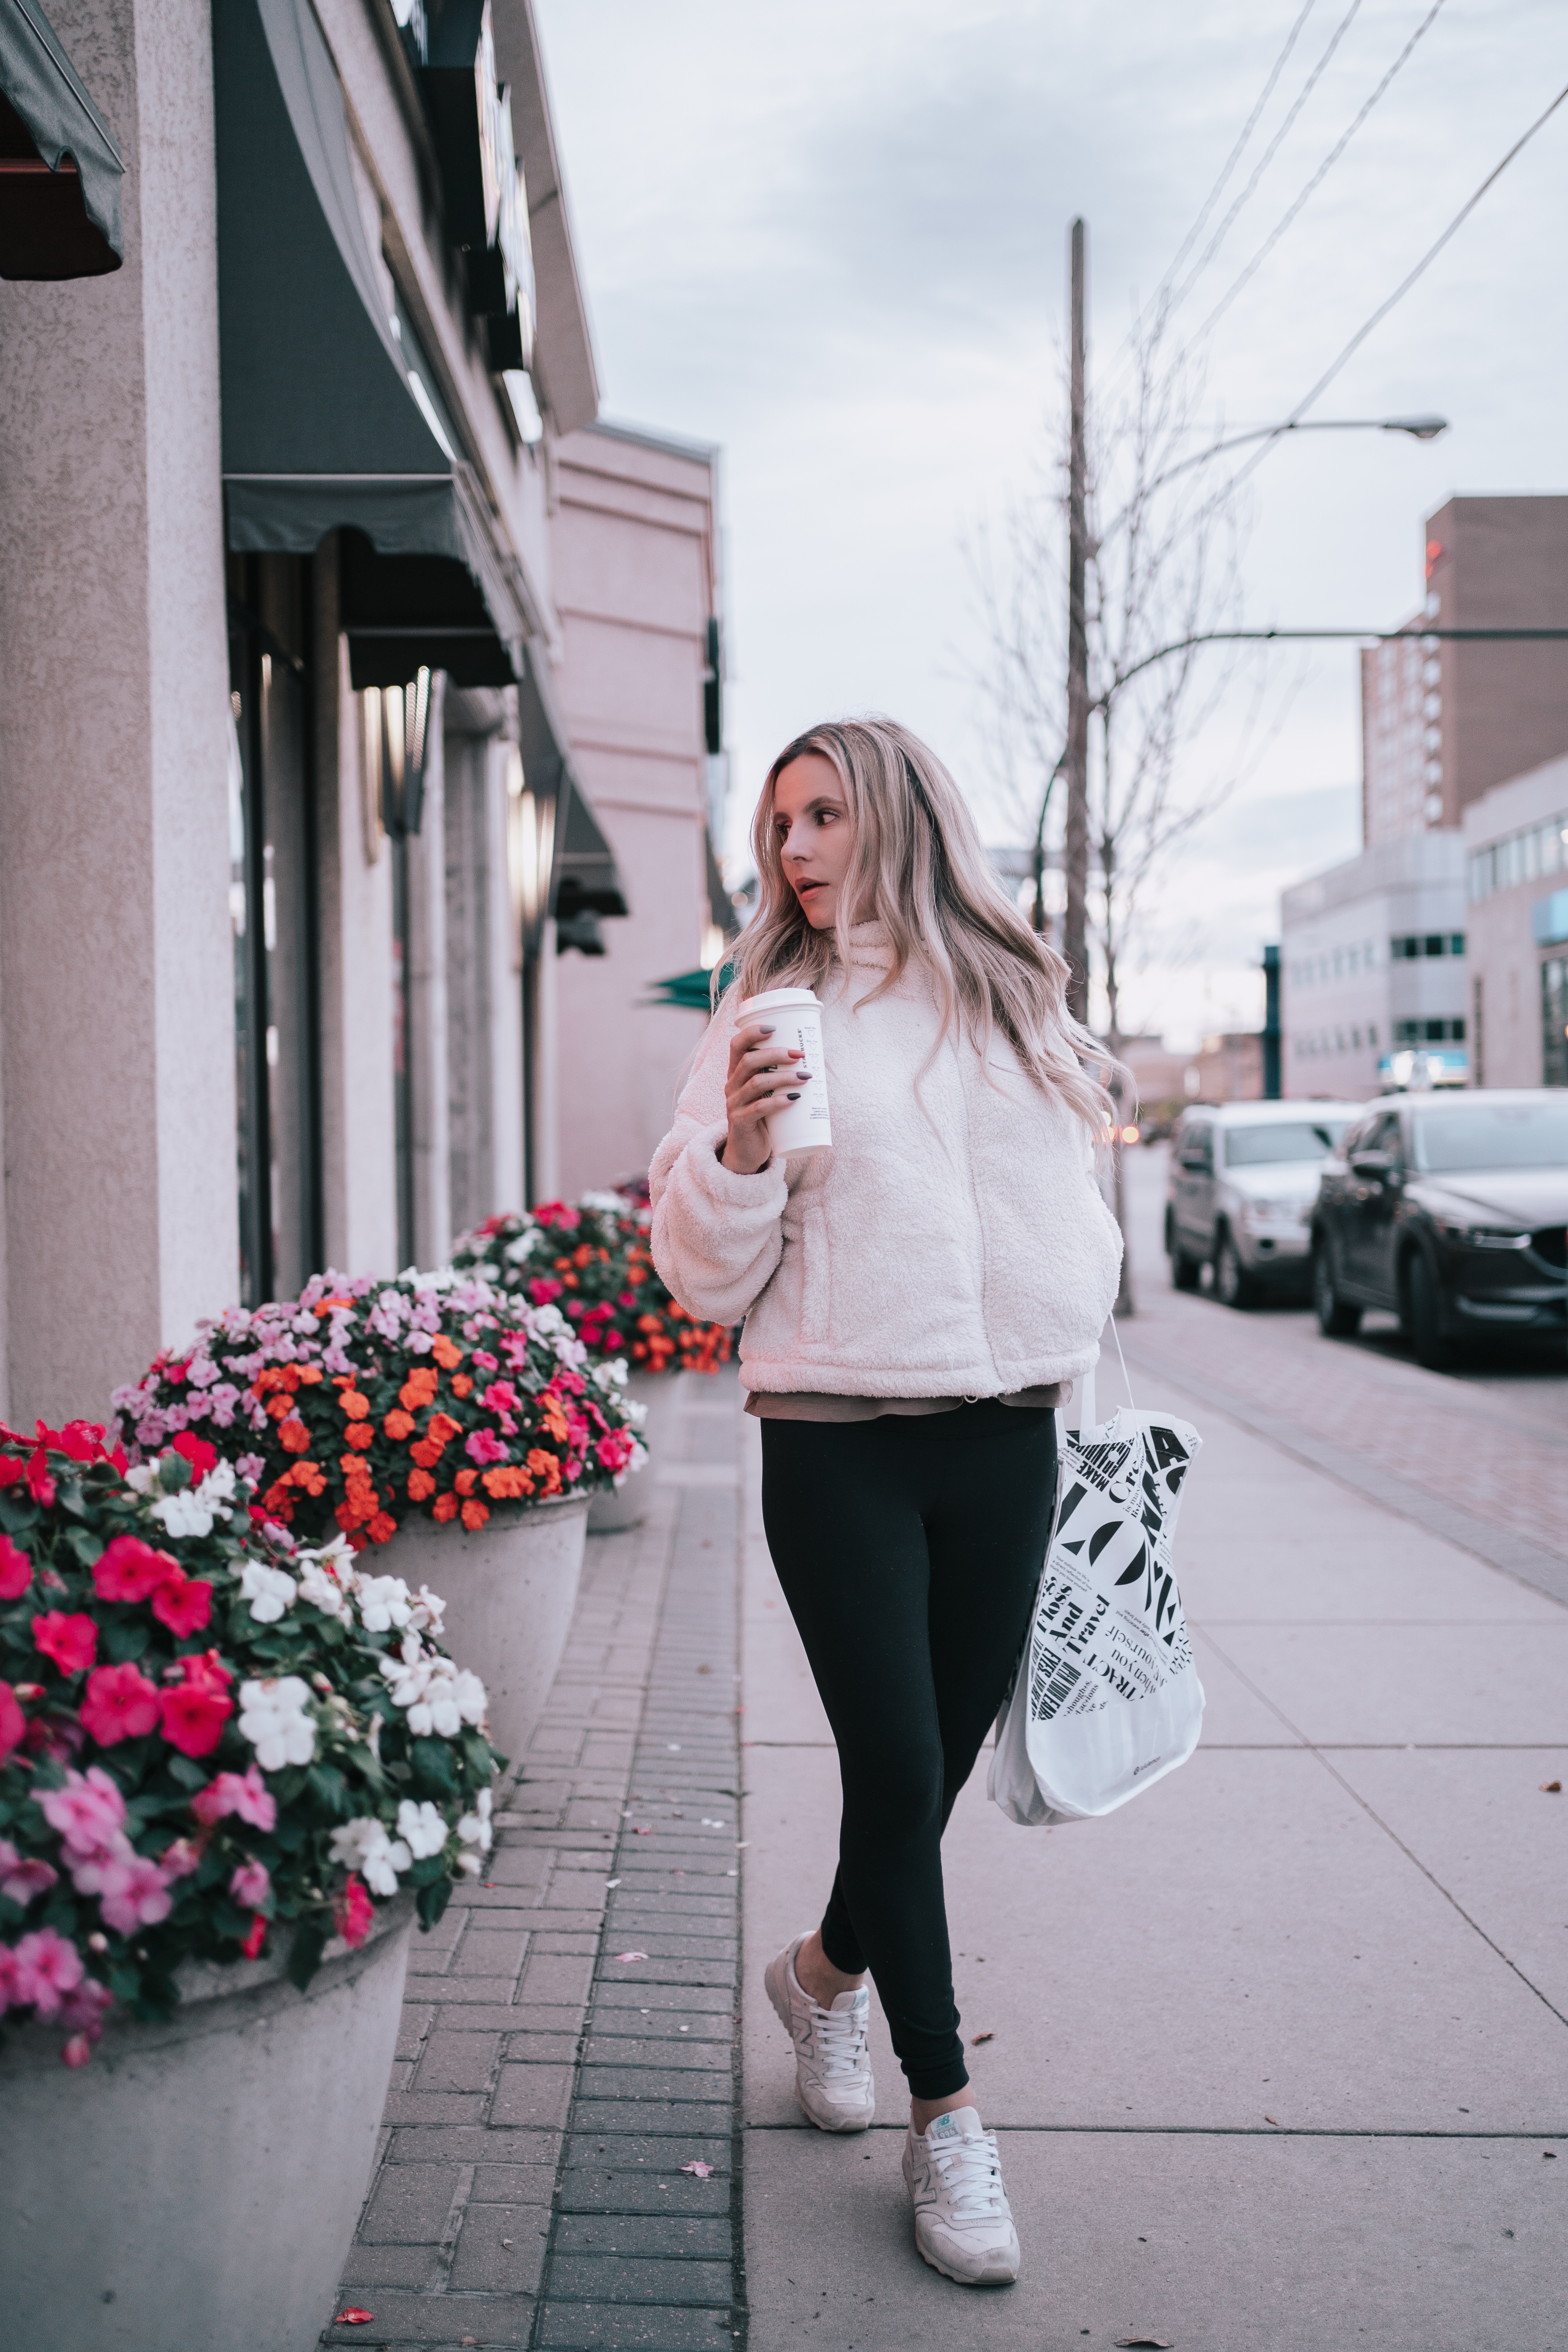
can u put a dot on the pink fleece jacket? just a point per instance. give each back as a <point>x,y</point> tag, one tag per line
<point>952,1242</point>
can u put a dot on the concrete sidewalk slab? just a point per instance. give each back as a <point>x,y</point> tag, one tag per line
<point>1216,2245</point>
<point>1422,1686</point>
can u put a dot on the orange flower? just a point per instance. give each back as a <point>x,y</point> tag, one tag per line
<point>354,1405</point>
<point>293,1436</point>
<point>360,1433</point>
<point>635,1274</point>
<point>475,1514</point>
<point>442,1428</point>
<point>583,1255</point>
<point>506,1483</point>
<point>306,1374</point>
<point>308,1474</point>
<point>446,1508</point>
<point>383,1527</point>
<point>266,1379</point>
<point>277,1502</point>
<point>447,1356</point>
<point>280,1405</point>
<point>398,1423</point>
<point>545,1465</point>
<point>465,1480</point>
<point>347,1519</point>
<point>419,1389</point>
<point>554,1419</point>
<point>325,1306</point>
<point>427,1452</point>
<point>420,1485</point>
<point>461,1384</point>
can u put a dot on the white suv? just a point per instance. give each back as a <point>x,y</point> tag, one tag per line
<point>1240,1194</point>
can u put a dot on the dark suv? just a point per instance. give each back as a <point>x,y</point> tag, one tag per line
<point>1451,1210</point>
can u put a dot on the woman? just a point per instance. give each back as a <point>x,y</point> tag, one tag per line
<point>917,1299</point>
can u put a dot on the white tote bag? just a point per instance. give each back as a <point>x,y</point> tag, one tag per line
<point>1106,1698</point>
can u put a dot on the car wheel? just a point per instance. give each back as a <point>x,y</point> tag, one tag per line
<point>1337,1318</point>
<point>1184,1270</point>
<point>1234,1286</point>
<point>1423,1317</point>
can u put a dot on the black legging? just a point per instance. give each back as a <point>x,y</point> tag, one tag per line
<point>909,1550</point>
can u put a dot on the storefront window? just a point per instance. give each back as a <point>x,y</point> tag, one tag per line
<point>1554,1022</point>
<point>273,917</point>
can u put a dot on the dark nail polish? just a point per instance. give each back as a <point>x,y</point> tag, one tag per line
<point>794,1097</point>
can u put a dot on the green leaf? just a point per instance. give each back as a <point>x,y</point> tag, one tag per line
<point>124,1640</point>
<point>17,1512</point>
<point>329,1788</point>
<point>289,1834</point>
<point>87,1547</point>
<point>425,1872</point>
<point>432,1767</point>
<point>67,1495</point>
<point>173,1472</point>
<point>433,1901</point>
<point>305,1953</point>
<point>187,1772</point>
<point>125,1981</point>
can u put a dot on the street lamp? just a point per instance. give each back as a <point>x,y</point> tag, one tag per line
<point>1419,428</point>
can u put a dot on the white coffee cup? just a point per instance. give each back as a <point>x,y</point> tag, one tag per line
<point>795,1015</point>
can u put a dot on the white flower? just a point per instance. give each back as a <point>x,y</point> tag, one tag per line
<point>545,1321</point>
<point>143,1476</point>
<point>428,1612</point>
<point>610,1376</point>
<point>364,1846</point>
<point>421,1829</point>
<point>470,1863</point>
<point>274,1716</point>
<point>523,1247</point>
<point>184,1513</point>
<point>440,1697</point>
<point>383,1601</point>
<point>218,1486</point>
<point>319,1586</point>
<point>605,1203</point>
<point>269,1591</point>
<point>474,1829</point>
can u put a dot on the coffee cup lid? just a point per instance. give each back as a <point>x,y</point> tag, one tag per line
<point>772,997</point>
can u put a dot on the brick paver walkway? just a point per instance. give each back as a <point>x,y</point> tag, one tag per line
<point>549,2094</point>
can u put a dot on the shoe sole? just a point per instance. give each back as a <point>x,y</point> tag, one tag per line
<point>773,1985</point>
<point>985,2278</point>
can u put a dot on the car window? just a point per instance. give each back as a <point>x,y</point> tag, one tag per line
<point>1385,1137</point>
<point>1491,1135</point>
<point>1263,1146</point>
<point>1197,1147</point>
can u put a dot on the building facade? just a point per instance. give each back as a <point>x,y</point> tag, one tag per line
<point>296,826</point>
<point>1374,969</point>
<point>1516,866</point>
<point>1443,721</point>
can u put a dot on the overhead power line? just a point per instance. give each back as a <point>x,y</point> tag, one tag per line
<point>1330,159</point>
<point>1300,100</point>
<point>1233,158</point>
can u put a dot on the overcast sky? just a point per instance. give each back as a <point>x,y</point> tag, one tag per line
<point>833,238</point>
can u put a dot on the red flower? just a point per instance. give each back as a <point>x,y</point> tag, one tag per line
<point>252,1945</point>
<point>120,1704</point>
<point>129,1570</point>
<point>13,1722</point>
<point>72,1642</point>
<point>207,1672</point>
<point>355,1912</point>
<point>201,1456</point>
<point>194,1716</point>
<point>40,1485</point>
<point>16,1570</point>
<point>184,1604</point>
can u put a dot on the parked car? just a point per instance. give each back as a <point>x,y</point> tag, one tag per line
<point>1452,1210</point>
<point>1243,1179</point>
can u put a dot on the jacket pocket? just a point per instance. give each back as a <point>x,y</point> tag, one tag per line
<point>815,1302</point>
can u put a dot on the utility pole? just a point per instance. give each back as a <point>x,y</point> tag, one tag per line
<point>1075,941</point>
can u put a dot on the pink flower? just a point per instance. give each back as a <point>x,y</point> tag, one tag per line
<point>23,1876</point>
<point>542,1290</point>
<point>195,1714</point>
<point>484,1445</point>
<point>131,1893</point>
<point>16,1570</point>
<point>13,1722</point>
<point>89,1812</point>
<point>500,1397</point>
<point>71,1642</point>
<point>184,1604</point>
<point>45,1968</point>
<point>251,1886</point>
<point>354,1910</point>
<point>120,1704</point>
<point>129,1570</point>
<point>485,1361</point>
<point>76,2050</point>
<point>179,1858</point>
<point>82,2011</point>
<point>245,1793</point>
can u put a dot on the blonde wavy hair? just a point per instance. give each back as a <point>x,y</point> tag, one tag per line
<point>918,870</point>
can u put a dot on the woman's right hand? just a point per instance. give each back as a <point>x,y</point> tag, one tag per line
<point>761,1079</point>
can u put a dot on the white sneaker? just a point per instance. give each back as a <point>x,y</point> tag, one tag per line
<point>963,2224</point>
<point>832,2066</point>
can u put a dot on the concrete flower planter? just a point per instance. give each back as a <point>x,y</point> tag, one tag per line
<point>197,2183</point>
<point>627,1507</point>
<point>509,1591</point>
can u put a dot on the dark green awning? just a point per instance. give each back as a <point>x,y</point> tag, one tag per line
<point>689,990</point>
<point>58,218</point>
<point>332,418</point>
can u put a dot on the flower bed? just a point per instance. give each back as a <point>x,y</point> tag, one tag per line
<point>359,1403</point>
<point>207,1733</point>
<point>592,1259</point>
